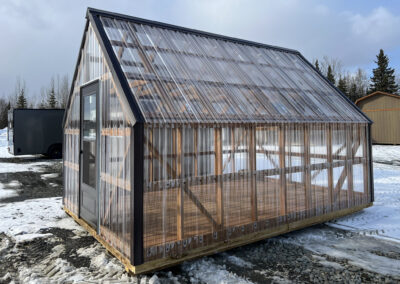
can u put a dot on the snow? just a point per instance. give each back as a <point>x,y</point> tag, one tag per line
<point>49,176</point>
<point>382,220</point>
<point>23,221</point>
<point>6,193</point>
<point>205,270</point>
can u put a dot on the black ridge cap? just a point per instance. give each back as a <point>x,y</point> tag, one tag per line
<point>187,30</point>
<point>114,65</point>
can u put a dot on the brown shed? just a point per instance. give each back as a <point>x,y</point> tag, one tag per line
<point>384,110</point>
<point>180,143</point>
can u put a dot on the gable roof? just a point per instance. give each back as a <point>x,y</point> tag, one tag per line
<point>172,74</point>
<point>377,93</point>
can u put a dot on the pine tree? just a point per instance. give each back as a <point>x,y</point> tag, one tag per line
<point>383,78</point>
<point>317,66</point>
<point>330,76</point>
<point>342,85</point>
<point>21,100</point>
<point>52,99</point>
<point>353,92</point>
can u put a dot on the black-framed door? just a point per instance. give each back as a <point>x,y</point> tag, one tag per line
<point>88,203</point>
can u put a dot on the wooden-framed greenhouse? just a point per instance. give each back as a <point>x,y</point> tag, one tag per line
<point>180,143</point>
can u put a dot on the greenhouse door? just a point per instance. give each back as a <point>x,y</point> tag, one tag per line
<point>88,161</point>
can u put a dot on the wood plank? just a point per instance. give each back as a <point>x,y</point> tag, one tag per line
<point>282,166</point>
<point>218,172</point>
<point>350,155</point>
<point>307,172</point>
<point>330,169</point>
<point>179,199</point>
<point>252,162</point>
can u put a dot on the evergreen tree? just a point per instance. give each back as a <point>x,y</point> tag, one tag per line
<point>353,92</point>
<point>52,99</point>
<point>21,100</point>
<point>317,65</point>
<point>330,76</point>
<point>383,78</point>
<point>342,85</point>
<point>4,108</point>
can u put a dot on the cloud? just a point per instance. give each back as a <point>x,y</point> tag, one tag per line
<point>41,38</point>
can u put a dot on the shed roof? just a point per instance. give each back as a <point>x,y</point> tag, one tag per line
<point>180,75</point>
<point>377,93</point>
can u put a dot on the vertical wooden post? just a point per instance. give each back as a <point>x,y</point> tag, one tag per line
<point>180,191</point>
<point>307,171</point>
<point>195,149</point>
<point>364,143</point>
<point>282,170</point>
<point>330,167</point>
<point>233,149</point>
<point>253,182</point>
<point>218,173</point>
<point>349,163</point>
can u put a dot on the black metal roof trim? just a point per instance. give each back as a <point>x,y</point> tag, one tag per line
<point>187,30</point>
<point>115,66</point>
<point>75,72</point>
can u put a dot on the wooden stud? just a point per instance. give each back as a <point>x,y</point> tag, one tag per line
<point>330,169</point>
<point>252,161</point>
<point>180,198</point>
<point>350,155</point>
<point>282,167</point>
<point>307,170</point>
<point>218,173</point>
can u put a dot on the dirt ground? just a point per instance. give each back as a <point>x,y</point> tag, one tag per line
<point>317,254</point>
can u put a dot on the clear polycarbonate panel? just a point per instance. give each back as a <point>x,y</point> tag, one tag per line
<point>180,77</point>
<point>115,148</point>
<point>206,185</point>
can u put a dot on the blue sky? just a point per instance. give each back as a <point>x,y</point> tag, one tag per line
<point>41,38</point>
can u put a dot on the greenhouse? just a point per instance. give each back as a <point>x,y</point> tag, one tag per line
<point>180,143</point>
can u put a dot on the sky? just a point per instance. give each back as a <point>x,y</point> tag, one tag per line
<point>42,38</point>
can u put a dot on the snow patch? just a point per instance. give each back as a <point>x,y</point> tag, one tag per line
<point>49,176</point>
<point>24,220</point>
<point>205,270</point>
<point>6,193</point>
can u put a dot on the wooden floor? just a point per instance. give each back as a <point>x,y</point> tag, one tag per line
<point>200,207</point>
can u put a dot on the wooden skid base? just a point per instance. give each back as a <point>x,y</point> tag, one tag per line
<point>216,247</point>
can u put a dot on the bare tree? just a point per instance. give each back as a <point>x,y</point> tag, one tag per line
<point>63,91</point>
<point>335,64</point>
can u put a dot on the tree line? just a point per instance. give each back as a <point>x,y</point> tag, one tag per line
<point>356,85</point>
<point>54,95</point>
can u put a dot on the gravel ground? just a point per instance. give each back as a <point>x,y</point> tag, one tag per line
<point>317,254</point>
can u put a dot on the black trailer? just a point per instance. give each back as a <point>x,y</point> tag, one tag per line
<point>35,131</point>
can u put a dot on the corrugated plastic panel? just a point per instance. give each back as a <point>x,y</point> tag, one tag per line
<point>179,77</point>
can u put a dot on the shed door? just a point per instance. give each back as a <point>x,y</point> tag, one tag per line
<point>88,189</point>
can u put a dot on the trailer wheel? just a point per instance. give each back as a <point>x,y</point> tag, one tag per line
<point>55,151</point>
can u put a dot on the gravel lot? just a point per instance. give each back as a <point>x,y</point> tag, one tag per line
<point>61,252</point>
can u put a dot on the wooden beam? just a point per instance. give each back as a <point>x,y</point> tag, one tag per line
<point>179,199</point>
<point>200,206</point>
<point>282,167</point>
<point>218,173</point>
<point>156,155</point>
<point>350,154</point>
<point>330,169</point>
<point>307,171</point>
<point>252,162</point>
<point>364,142</point>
